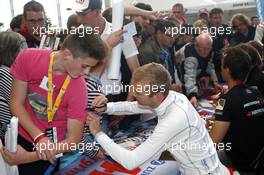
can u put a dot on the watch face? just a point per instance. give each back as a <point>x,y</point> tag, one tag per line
<point>220,105</point>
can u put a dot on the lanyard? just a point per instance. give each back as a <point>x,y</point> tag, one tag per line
<point>53,109</point>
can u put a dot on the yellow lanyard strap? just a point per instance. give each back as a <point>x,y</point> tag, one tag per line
<point>53,109</point>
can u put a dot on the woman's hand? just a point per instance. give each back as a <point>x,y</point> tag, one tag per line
<point>46,150</point>
<point>115,38</point>
<point>100,154</point>
<point>99,104</point>
<point>93,120</point>
<point>21,156</point>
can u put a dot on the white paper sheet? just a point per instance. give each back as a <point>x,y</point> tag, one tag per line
<point>130,30</point>
<point>117,19</point>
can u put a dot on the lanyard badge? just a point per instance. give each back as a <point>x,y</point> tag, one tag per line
<point>52,134</point>
<point>52,109</point>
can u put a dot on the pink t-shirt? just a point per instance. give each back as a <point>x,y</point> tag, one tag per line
<point>31,66</point>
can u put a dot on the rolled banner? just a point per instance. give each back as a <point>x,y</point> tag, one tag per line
<point>117,21</point>
<point>3,164</point>
<point>11,143</point>
<point>12,131</point>
<point>7,137</point>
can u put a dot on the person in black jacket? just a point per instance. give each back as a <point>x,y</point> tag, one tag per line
<point>239,119</point>
<point>256,76</point>
<point>221,33</point>
<point>244,32</point>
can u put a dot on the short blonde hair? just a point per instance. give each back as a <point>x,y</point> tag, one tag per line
<point>154,74</point>
<point>200,24</point>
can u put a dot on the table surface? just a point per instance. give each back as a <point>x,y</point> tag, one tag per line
<point>131,138</point>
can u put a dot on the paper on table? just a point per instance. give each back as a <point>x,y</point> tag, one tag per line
<point>205,104</point>
<point>130,30</point>
<point>118,17</point>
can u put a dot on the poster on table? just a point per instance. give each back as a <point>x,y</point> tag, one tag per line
<point>86,166</point>
<point>138,133</point>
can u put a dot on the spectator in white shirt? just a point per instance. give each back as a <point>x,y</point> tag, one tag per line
<point>180,129</point>
<point>259,36</point>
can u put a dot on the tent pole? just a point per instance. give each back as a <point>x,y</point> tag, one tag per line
<point>59,13</point>
<point>12,8</point>
<point>107,3</point>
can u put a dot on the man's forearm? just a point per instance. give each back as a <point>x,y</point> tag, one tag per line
<point>24,119</point>
<point>132,10</point>
<point>27,157</point>
<point>75,133</point>
<point>213,77</point>
<point>32,157</point>
<point>66,145</point>
<point>127,108</point>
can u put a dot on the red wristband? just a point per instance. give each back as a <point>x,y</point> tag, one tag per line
<point>39,137</point>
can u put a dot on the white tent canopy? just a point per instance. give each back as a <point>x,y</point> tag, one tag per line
<point>193,6</point>
<point>51,7</point>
